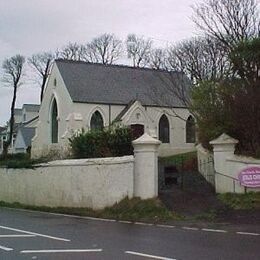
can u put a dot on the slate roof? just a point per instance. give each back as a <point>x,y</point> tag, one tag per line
<point>31,107</point>
<point>118,84</point>
<point>27,134</point>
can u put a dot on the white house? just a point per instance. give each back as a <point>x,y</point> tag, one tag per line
<point>92,96</point>
<point>25,117</point>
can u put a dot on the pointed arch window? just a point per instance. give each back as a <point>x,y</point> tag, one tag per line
<point>54,122</point>
<point>190,130</point>
<point>164,129</point>
<point>96,122</point>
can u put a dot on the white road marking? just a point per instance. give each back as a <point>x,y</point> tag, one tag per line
<point>143,224</point>
<point>6,248</point>
<point>60,251</point>
<point>190,228</point>
<point>4,236</point>
<point>248,233</point>
<point>165,226</point>
<point>125,222</point>
<point>81,217</point>
<point>214,230</point>
<point>150,256</point>
<point>36,234</point>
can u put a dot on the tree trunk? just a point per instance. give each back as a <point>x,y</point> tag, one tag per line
<point>11,124</point>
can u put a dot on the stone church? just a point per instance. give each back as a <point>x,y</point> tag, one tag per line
<point>93,96</point>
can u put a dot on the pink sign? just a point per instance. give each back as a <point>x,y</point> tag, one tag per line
<point>250,177</point>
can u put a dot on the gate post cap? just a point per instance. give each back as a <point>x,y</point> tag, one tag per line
<point>146,139</point>
<point>224,139</point>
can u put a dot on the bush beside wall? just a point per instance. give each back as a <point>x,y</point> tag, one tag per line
<point>110,142</point>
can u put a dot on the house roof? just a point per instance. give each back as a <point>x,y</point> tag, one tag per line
<point>18,111</point>
<point>31,107</point>
<point>27,134</point>
<point>118,84</point>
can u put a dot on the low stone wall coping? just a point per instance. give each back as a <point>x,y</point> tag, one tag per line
<point>243,159</point>
<point>92,161</point>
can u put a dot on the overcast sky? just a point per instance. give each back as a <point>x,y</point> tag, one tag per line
<point>29,26</point>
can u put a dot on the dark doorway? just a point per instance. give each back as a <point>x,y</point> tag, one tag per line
<point>137,131</point>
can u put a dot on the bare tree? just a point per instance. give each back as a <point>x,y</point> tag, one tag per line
<point>138,49</point>
<point>41,63</point>
<point>72,51</point>
<point>187,64</point>
<point>13,68</point>
<point>157,59</point>
<point>229,21</point>
<point>105,49</point>
<point>199,58</point>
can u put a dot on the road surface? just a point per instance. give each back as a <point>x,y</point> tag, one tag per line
<point>36,235</point>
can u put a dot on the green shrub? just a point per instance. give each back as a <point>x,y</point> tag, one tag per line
<point>15,156</point>
<point>110,142</point>
<point>20,160</point>
<point>120,141</point>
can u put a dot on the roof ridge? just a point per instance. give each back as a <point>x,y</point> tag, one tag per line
<point>31,104</point>
<point>116,66</point>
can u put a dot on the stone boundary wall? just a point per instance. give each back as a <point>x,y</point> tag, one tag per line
<point>227,178</point>
<point>224,165</point>
<point>94,183</point>
<point>206,164</point>
<point>228,165</point>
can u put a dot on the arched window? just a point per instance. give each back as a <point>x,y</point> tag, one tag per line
<point>96,122</point>
<point>164,129</point>
<point>190,130</point>
<point>54,122</point>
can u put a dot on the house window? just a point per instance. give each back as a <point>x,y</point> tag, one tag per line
<point>54,122</point>
<point>96,122</point>
<point>24,117</point>
<point>164,129</point>
<point>190,130</point>
<point>55,82</point>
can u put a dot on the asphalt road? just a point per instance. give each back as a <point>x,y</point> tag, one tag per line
<point>35,235</point>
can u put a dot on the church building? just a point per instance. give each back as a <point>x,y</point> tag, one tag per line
<point>93,96</point>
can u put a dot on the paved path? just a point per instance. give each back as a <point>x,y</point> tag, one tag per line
<point>35,235</point>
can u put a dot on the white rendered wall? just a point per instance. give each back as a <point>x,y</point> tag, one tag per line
<point>227,178</point>
<point>177,129</point>
<point>19,145</point>
<point>228,165</point>
<point>94,183</point>
<point>28,115</point>
<point>41,143</point>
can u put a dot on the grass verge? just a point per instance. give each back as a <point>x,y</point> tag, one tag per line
<point>250,200</point>
<point>150,210</point>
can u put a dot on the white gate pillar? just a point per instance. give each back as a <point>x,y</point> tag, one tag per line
<point>146,166</point>
<point>223,148</point>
